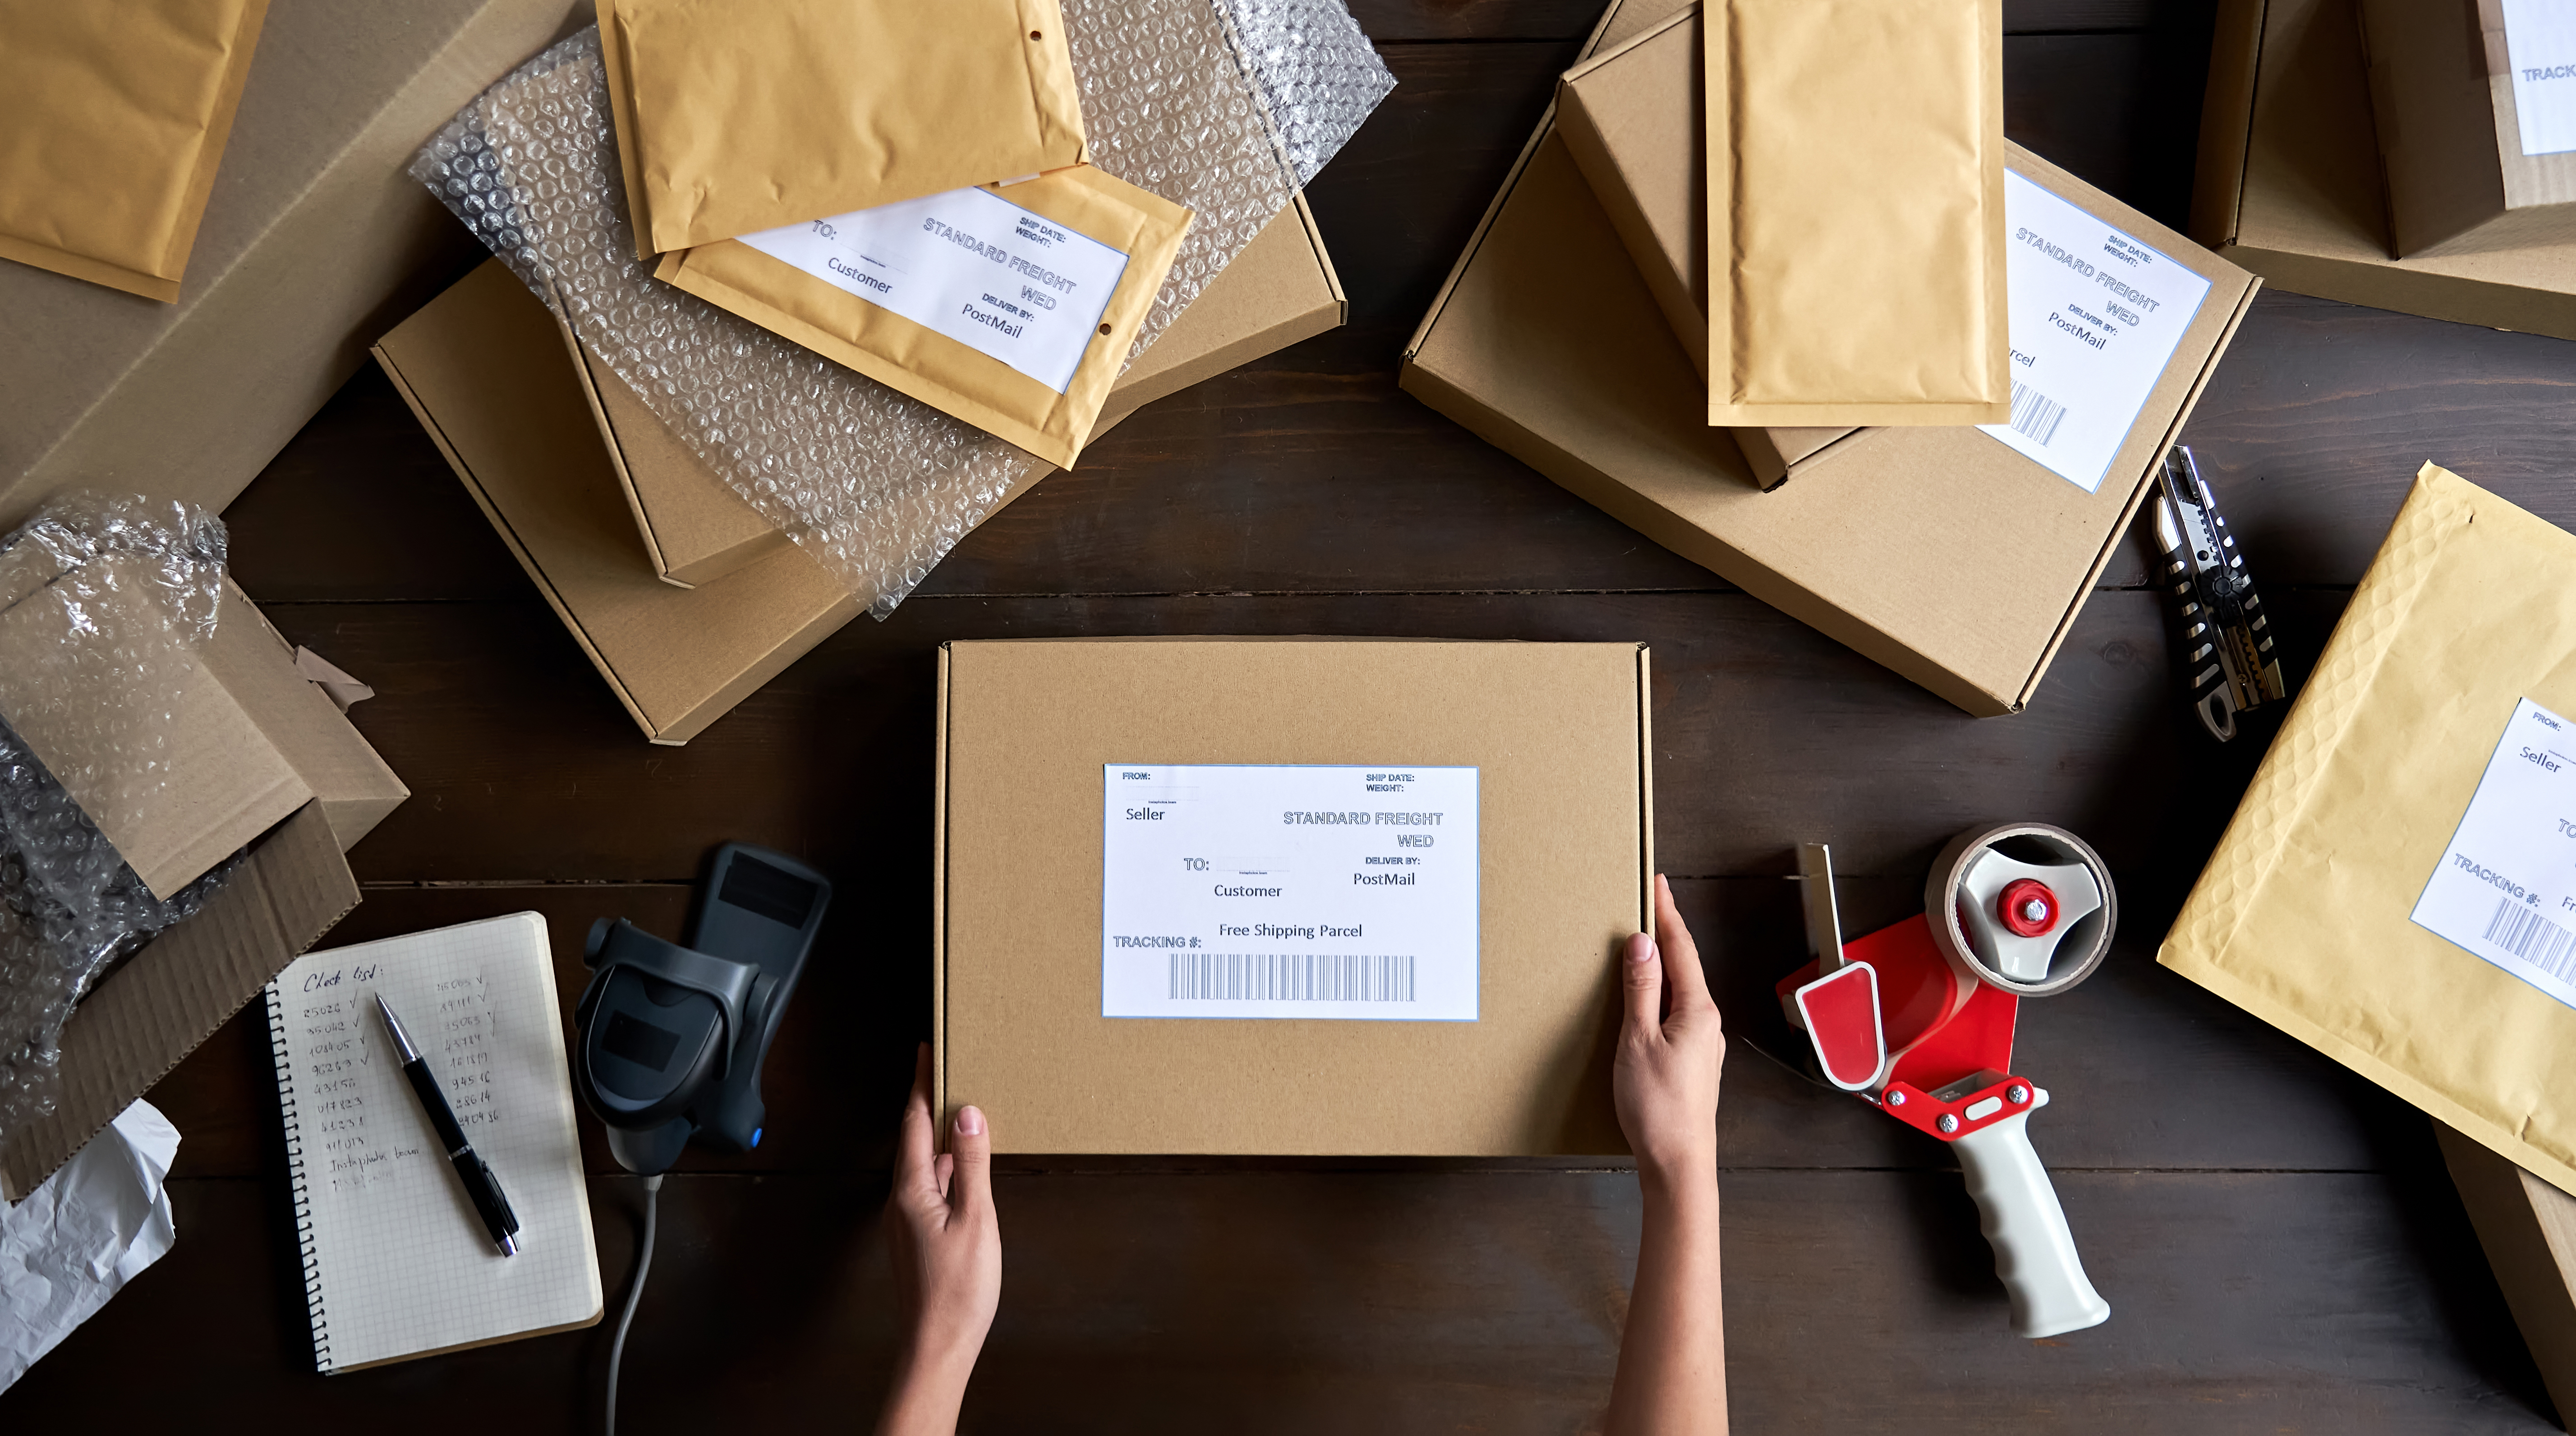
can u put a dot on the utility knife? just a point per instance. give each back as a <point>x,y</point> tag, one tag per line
<point>2226,637</point>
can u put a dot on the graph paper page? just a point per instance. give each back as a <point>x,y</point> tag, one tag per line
<point>397,1264</point>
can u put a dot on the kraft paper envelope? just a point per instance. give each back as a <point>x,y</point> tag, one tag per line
<point>1011,307</point>
<point>2325,909</point>
<point>113,117</point>
<point>733,118</point>
<point>1855,212</point>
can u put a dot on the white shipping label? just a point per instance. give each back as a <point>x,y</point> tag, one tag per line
<point>969,264</point>
<point>2540,44</point>
<point>2506,887</point>
<point>2095,318</point>
<point>1288,891</point>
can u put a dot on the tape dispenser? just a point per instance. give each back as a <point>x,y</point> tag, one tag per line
<point>1917,1019</point>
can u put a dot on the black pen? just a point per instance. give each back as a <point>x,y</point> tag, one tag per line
<point>479,1182</point>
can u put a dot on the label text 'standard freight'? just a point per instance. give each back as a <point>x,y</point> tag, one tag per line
<point>1361,820</point>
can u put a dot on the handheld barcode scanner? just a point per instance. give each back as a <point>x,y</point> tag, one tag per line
<point>1917,1019</point>
<point>669,1040</point>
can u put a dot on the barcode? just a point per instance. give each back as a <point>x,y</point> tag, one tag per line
<point>2035,415</point>
<point>1291,977</point>
<point>2531,937</point>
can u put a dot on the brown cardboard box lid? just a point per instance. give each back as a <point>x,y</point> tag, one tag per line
<point>1559,734</point>
<point>482,366</point>
<point>177,781</point>
<point>2289,182</point>
<point>171,996</point>
<point>2450,139</point>
<point>1280,289</point>
<point>1546,342</point>
<point>2528,1230</point>
<point>311,235</point>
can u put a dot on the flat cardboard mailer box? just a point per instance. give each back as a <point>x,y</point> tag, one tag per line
<point>261,759</point>
<point>1547,343</point>
<point>596,498</point>
<point>1558,735</point>
<point>2289,182</point>
<point>312,238</point>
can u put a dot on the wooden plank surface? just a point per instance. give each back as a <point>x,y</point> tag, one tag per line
<point>2279,1243</point>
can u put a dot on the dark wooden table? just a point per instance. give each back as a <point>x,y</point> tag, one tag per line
<point>2279,1242</point>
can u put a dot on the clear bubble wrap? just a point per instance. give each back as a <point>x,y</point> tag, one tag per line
<point>140,590</point>
<point>874,485</point>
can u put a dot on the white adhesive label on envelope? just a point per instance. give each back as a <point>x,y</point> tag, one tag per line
<point>2540,44</point>
<point>1289,891</point>
<point>1001,280</point>
<point>2505,889</point>
<point>2095,318</point>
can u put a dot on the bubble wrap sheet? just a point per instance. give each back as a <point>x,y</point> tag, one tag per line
<point>874,485</point>
<point>141,592</point>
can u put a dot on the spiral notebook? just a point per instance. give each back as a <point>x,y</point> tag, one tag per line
<point>396,1264</point>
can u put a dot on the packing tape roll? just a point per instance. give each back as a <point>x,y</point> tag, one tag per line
<point>2089,932</point>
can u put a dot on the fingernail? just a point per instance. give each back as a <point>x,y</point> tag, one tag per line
<point>970,1123</point>
<point>1641,948</point>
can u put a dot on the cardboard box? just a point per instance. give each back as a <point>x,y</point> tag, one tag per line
<point>1630,117</point>
<point>2528,1230</point>
<point>311,236</point>
<point>2450,141</point>
<point>250,713</point>
<point>1559,733</point>
<point>2289,181</point>
<point>1546,342</point>
<point>1279,290</point>
<point>485,368</point>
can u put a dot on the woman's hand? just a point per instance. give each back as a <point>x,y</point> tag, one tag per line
<point>1664,1080</point>
<point>947,1250</point>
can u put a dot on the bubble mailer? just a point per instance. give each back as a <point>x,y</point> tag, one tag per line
<point>70,908</point>
<point>874,485</point>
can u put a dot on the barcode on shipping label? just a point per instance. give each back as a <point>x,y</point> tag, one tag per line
<point>1291,977</point>
<point>2533,938</point>
<point>2035,416</point>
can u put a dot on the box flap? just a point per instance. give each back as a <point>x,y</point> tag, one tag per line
<point>256,665</point>
<point>177,781</point>
<point>171,996</point>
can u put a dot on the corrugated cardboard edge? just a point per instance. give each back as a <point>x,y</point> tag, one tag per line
<point>1646,787</point>
<point>2528,1230</point>
<point>163,283</point>
<point>171,996</point>
<point>2440,504</point>
<point>939,904</point>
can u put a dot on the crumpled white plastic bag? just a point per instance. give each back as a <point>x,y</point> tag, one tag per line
<point>82,1234</point>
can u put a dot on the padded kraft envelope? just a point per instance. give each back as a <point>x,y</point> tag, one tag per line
<point>2398,887</point>
<point>1856,212</point>
<point>735,116</point>
<point>1011,307</point>
<point>113,117</point>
